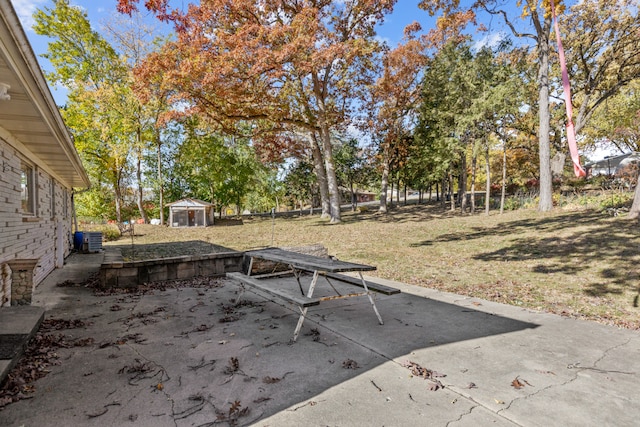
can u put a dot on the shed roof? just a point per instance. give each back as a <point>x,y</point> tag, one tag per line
<point>30,120</point>
<point>189,203</point>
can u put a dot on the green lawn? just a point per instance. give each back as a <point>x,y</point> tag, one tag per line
<point>578,263</point>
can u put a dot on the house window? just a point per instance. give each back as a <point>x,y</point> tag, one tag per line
<point>27,193</point>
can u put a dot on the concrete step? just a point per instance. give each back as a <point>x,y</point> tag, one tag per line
<point>17,326</point>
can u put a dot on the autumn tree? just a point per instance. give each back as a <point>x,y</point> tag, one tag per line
<point>394,98</point>
<point>112,129</point>
<point>285,66</point>
<point>604,51</point>
<point>617,123</point>
<point>91,69</point>
<point>134,39</point>
<point>602,45</point>
<point>601,51</point>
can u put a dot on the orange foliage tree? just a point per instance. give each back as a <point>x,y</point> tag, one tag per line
<point>293,69</point>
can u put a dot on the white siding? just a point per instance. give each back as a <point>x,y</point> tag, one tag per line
<point>31,236</point>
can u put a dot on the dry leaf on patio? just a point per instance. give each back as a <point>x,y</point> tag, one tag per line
<point>350,364</point>
<point>517,384</point>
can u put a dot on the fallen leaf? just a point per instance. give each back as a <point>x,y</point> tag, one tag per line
<point>350,364</point>
<point>517,384</point>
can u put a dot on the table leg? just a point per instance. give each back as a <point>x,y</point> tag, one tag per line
<point>373,303</point>
<point>303,314</point>
<point>240,292</point>
<point>296,273</point>
<point>312,286</point>
<point>303,311</point>
<point>250,266</point>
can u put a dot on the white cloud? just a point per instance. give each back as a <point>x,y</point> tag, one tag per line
<point>25,10</point>
<point>491,40</point>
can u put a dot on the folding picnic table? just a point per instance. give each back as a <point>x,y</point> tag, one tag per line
<point>328,267</point>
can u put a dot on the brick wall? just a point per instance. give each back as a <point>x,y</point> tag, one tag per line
<point>25,236</point>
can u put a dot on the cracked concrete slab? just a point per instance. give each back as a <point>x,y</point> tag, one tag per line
<point>190,356</point>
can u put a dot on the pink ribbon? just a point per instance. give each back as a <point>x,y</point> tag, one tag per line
<point>571,134</point>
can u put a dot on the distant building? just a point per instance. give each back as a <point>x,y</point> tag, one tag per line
<point>190,213</point>
<point>612,165</point>
<point>362,196</point>
<point>39,167</point>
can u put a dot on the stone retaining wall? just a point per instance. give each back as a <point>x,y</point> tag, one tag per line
<point>114,272</point>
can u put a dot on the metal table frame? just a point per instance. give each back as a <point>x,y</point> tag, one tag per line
<point>299,263</point>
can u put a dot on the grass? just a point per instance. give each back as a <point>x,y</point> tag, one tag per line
<point>577,263</point>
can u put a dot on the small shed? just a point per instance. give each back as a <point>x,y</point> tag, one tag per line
<point>190,213</point>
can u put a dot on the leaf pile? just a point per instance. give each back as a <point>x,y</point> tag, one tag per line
<point>59,324</point>
<point>38,357</point>
<point>199,282</point>
<point>427,374</point>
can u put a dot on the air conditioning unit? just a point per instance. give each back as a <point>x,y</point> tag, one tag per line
<point>92,241</point>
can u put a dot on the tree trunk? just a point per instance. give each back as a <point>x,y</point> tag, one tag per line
<point>118,201</point>
<point>474,164</point>
<point>462,188</point>
<point>160,180</point>
<point>546,186</point>
<point>140,195</point>
<point>332,181</point>
<point>384,181</point>
<point>353,197</point>
<point>451,196</point>
<point>318,167</point>
<point>634,213</point>
<point>487,197</point>
<point>504,177</point>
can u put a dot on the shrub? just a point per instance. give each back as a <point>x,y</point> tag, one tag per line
<point>511,204</point>
<point>109,232</point>
<point>616,201</point>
